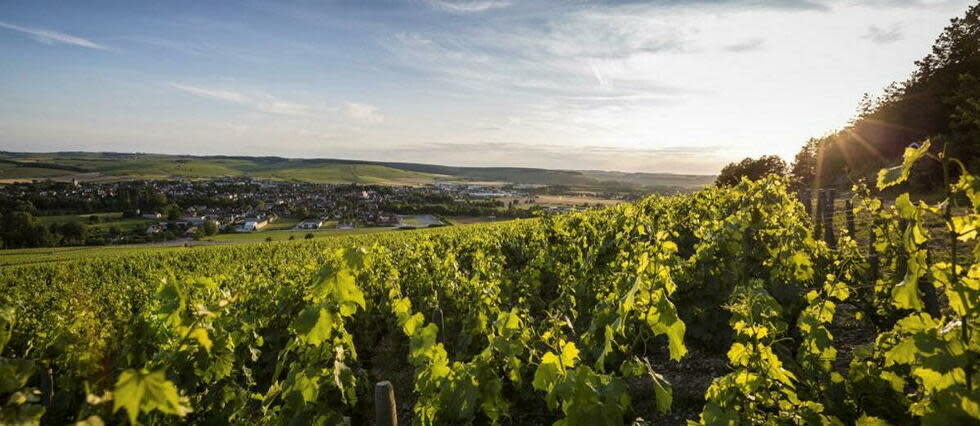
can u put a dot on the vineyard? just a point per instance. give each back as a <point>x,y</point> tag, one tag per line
<point>719,307</point>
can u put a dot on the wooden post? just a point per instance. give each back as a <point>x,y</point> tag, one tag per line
<point>805,199</point>
<point>818,217</point>
<point>828,219</point>
<point>873,262</point>
<point>385,412</point>
<point>850,219</point>
<point>929,297</point>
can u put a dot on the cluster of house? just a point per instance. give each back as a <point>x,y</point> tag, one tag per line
<point>190,225</point>
<point>245,204</point>
<point>186,225</point>
<point>463,190</point>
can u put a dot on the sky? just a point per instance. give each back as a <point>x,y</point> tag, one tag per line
<point>669,86</point>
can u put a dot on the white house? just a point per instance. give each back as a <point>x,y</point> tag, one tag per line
<point>310,224</point>
<point>252,225</point>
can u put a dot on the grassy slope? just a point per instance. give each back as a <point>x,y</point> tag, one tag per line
<point>112,165</point>
<point>62,254</point>
<point>34,256</point>
<point>165,166</point>
<point>109,220</point>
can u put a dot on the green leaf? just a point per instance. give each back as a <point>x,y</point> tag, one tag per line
<point>662,390</point>
<point>902,353</point>
<point>143,391</point>
<point>903,203</point>
<point>92,420</point>
<point>340,286</point>
<point>412,323</point>
<point>867,420</point>
<point>662,318</point>
<point>14,374</point>
<point>21,415</point>
<point>314,325</point>
<point>171,302</point>
<point>905,295</point>
<point>896,175</point>
<point>548,372</point>
<point>201,336</point>
<point>7,319</point>
<point>964,227</point>
<point>738,354</point>
<point>569,353</point>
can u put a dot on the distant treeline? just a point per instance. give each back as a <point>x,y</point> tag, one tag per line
<point>44,165</point>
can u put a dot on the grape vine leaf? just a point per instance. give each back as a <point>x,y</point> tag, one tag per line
<point>146,391</point>
<point>898,174</point>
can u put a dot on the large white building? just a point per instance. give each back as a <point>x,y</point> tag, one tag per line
<point>310,224</point>
<point>252,225</point>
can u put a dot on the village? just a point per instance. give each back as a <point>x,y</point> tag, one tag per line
<point>146,211</point>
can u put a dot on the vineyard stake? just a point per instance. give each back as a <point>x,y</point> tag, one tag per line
<point>385,411</point>
<point>818,217</point>
<point>828,219</point>
<point>929,296</point>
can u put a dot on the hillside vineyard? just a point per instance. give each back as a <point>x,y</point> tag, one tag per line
<point>572,319</point>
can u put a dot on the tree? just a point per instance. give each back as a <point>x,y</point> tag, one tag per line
<point>752,168</point>
<point>20,229</point>
<point>803,172</point>
<point>174,212</point>
<point>73,233</point>
<point>940,100</point>
<point>210,227</point>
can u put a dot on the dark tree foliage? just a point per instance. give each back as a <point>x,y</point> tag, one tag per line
<point>210,228</point>
<point>752,168</point>
<point>941,100</point>
<point>19,229</point>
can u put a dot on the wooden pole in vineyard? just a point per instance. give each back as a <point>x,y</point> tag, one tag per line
<point>806,200</point>
<point>849,213</point>
<point>873,262</point>
<point>828,219</point>
<point>818,217</point>
<point>385,411</point>
<point>929,296</point>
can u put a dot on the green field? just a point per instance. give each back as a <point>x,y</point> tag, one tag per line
<point>282,224</point>
<point>8,171</point>
<point>61,254</point>
<point>284,235</point>
<point>108,220</point>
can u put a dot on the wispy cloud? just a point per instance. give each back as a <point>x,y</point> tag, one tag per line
<point>746,45</point>
<point>884,35</point>
<point>571,59</point>
<point>674,159</point>
<point>262,102</point>
<point>364,112</point>
<point>223,95</point>
<point>53,37</point>
<point>468,6</point>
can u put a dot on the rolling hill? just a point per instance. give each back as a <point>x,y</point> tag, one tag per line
<point>108,166</point>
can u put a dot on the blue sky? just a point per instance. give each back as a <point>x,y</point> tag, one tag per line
<point>659,86</point>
